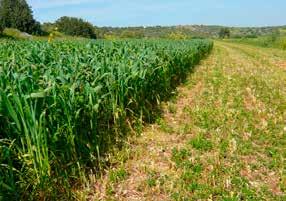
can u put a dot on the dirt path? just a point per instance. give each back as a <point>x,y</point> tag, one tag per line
<point>222,138</point>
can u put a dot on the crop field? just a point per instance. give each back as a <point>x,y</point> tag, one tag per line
<point>142,101</point>
<point>63,105</point>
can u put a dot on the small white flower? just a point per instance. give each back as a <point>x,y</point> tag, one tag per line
<point>233,145</point>
<point>228,183</point>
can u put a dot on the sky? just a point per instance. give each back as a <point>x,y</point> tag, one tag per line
<point>121,13</point>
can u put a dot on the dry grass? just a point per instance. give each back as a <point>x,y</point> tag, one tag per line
<point>222,138</point>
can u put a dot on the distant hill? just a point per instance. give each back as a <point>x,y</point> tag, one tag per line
<point>211,31</point>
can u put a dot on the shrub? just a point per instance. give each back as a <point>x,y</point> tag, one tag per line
<point>177,36</point>
<point>75,27</point>
<point>224,32</point>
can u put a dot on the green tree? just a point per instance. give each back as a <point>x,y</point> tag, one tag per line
<point>1,27</point>
<point>18,14</point>
<point>224,33</point>
<point>75,27</point>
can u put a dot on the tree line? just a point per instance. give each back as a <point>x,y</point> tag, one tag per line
<point>18,14</point>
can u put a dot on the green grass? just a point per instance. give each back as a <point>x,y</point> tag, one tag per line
<point>200,143</point>
<point>64,105</point>
<point>117,175</point>
<point>228,135</point>
<point>265,41</point>
<point>16,34</point>
<point>247,96</point>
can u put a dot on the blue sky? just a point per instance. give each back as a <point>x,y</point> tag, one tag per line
<point>164,12</point>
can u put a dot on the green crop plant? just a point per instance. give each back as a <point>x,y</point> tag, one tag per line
<point>63,105</point>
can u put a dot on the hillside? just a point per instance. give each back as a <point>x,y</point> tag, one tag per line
<point>189,30</point>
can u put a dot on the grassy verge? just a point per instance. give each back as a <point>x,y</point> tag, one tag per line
<point>222,138</point>
<point>269,41</point>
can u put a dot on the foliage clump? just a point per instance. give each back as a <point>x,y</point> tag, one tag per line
<point>17,14</point>
<point>75,27</point>
<point>177,36</point>
<point>224,32</point>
